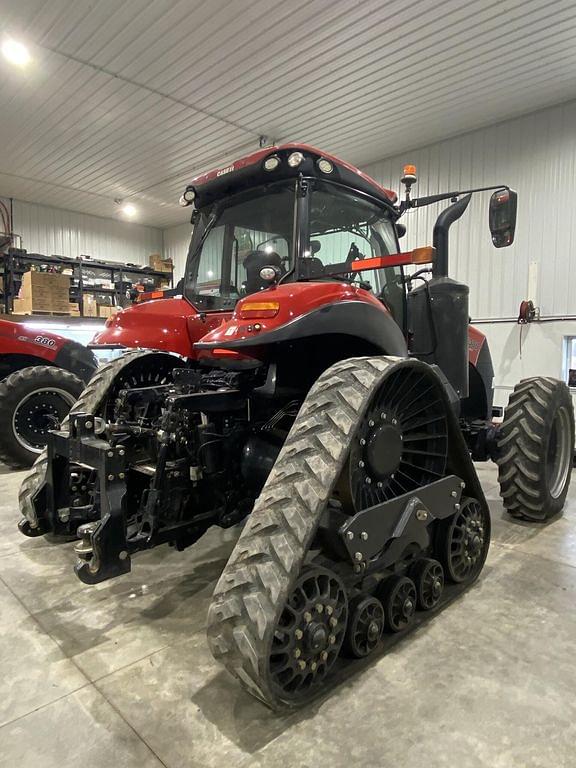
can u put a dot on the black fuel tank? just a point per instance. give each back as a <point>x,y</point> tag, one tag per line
<point>438,321</point>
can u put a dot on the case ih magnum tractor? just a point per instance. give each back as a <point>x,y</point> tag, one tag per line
<point>337,408</point>
<point>42,374</point>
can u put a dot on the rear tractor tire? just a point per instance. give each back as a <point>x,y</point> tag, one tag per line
<point>32,402</point>
<point>536,449</point>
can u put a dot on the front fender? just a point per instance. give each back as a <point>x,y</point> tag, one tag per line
<point>360,320</point>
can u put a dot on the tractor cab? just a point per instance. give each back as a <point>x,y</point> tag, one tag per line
<point>310,234</point>
<point>288,214</point>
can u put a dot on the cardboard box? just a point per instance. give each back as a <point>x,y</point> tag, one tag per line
<point>74,309</point>
<point>21,307</point>
<point>159,264</point>
<point>26,306</point>
<point>45,292</point>
<point>90,306</point>
<point>107,311</point>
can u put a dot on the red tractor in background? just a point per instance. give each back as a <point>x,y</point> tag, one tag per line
<point>305,380</point>
<point>41,376</point>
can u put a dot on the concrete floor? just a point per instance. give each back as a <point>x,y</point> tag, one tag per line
<point>120,674</point>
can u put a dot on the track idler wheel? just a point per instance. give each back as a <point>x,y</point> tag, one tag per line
<point>365,626</point>
<point>309,634</point>
<point>463,541</point>
<point>399,599</point>
<point>428,576</point>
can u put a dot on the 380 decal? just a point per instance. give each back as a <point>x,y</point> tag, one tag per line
<point>46,341</point>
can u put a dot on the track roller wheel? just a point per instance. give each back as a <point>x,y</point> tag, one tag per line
<point>309,634</point>
<point>399,599</point>
<point>428,576</point>
<point>463,541</point>
<point>365,626</point>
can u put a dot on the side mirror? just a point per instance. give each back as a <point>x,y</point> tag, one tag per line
<point>502,217</point>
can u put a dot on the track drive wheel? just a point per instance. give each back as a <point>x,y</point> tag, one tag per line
<point>365,626</point>
<point>399,599</point>
<point>309,634</point>
<point>463,541</point>
<point>428,576</point>
<point>32,402</point>
<point>536,449</point>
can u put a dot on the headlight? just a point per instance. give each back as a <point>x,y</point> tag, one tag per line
<point>325,165</point>
<point>271,163</point>
<point>295,159</point>
<point>269,274</point>
<point>187,198</point>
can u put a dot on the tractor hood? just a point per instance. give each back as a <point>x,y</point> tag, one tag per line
<point>297,310</point>
<point>171,324</point>
<point>27,340</point>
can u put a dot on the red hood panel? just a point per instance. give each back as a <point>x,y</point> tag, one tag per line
<point>294,300</point>
<point>17,338</point>
<point>173,325</point>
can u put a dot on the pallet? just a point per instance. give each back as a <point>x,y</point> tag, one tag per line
<point>42,312</point>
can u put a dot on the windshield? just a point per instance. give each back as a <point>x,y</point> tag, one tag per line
<point>344,227</point>
<point>232,242</point>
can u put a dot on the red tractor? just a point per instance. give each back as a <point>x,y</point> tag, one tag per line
<point>320,391</point>
<point>41,376</point>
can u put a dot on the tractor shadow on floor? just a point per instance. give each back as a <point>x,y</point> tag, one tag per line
<point>511,531</point>
<point>167,610</point>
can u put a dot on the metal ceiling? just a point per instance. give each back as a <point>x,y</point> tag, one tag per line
<point>131,99</point>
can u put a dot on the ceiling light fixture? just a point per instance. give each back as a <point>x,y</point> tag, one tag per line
<point>127,209</point>
<point>16,53</point>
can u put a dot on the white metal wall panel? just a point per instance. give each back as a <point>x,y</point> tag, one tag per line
<point>65,233</point>
<point>534,154</point>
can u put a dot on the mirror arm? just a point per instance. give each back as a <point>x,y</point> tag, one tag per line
<point>420,202</point>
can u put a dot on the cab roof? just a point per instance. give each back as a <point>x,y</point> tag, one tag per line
<point>249,171</point>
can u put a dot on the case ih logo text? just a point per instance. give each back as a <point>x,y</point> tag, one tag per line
<point>222,171</point>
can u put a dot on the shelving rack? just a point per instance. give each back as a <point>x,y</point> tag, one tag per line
<point>17,261</point>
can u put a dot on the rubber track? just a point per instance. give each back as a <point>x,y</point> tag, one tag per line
<point>17,378</point>
<point>520,448</point>
<point>88,402</point>
<point>253,588</point>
